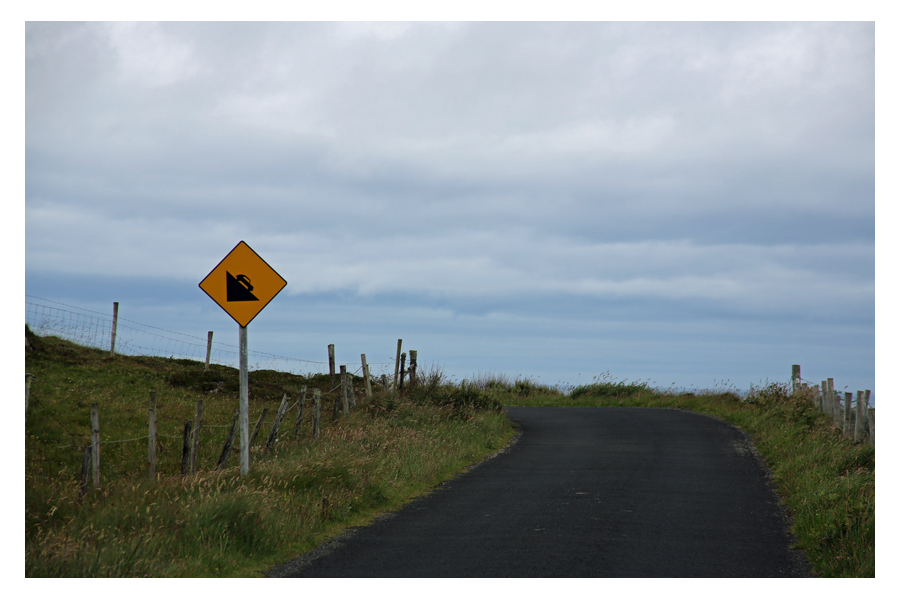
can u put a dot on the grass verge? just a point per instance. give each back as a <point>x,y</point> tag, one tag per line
<point>219,523</point>
<point>826,481</point>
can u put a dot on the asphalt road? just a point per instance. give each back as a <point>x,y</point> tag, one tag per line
<point>585,492</point>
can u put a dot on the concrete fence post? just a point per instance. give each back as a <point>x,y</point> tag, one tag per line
<point>115,323</point>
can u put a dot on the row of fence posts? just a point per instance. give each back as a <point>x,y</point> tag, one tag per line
<point>399,372</point>
<point>398,368</point>
<point>90,469</point>
<point>850,418</point>
<point>345,402</point>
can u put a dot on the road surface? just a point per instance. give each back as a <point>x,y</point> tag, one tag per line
<point>585,492</point>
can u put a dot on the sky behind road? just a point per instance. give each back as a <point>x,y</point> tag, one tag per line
<point>682,203</point>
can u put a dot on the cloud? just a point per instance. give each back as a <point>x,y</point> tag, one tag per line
<point>478,170</point>
<point>147,56</point>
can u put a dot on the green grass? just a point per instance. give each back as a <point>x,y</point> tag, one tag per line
<point>826,481</point>
<point>220,523</point>
<point>384,454</point>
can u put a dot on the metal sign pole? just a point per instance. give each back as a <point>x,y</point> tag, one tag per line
<point>245,405</point>
<point>229,286</point>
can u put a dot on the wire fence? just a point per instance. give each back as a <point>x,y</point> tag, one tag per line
<point>94,329</point>
<point>107,332</point>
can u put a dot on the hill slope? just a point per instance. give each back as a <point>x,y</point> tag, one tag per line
<point>218,523</point>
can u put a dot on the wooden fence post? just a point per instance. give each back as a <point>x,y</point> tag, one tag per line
<point>195,445</point>
<point>273,434</point>
<point>257,427</point>
<point>299,422</point>
<point>317,412</point>
<point>848,402</point>
<point>186,447</point>
<point>397,363</point>
<point>795,378</point>
<point>209,337</point>
<point>331,363</point>
<point>229,442</point>
<point>413,355</point>
<point>337,406</point>
<point>151,444</point>
<point>823,397</point>
<point>835,401</point>
<point>344,400</point>
<point>115,322</point>
<point>402,371</point>
<point>384,383</point>
<point>860,415</point>
<point>866,413</point>
<point>85,469</point>
<point>838,407</point>
<point>365,376</point>
<point>871,424</point>
<point>95,443</point>
<point>351,395</point>
<point>28,391</point>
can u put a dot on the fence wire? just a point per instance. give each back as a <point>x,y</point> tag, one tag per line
<point>92,329</point>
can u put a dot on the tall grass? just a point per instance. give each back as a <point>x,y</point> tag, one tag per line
<point>605,387</point>
<point>387,452</point>
<point>218,523</point>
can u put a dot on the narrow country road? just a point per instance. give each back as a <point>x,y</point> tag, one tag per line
<point>585,492</point>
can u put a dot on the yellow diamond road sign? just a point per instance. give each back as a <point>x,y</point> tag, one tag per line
<point>242,284</point>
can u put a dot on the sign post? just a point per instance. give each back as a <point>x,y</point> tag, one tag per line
<point>244,407</point>
<point>243,284</point>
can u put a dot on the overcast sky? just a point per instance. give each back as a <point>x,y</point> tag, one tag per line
<point>677,203</point>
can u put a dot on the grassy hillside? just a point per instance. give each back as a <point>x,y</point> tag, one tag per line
<point>220,523</point>
<point>385,453</point>
<point>826,481</point>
